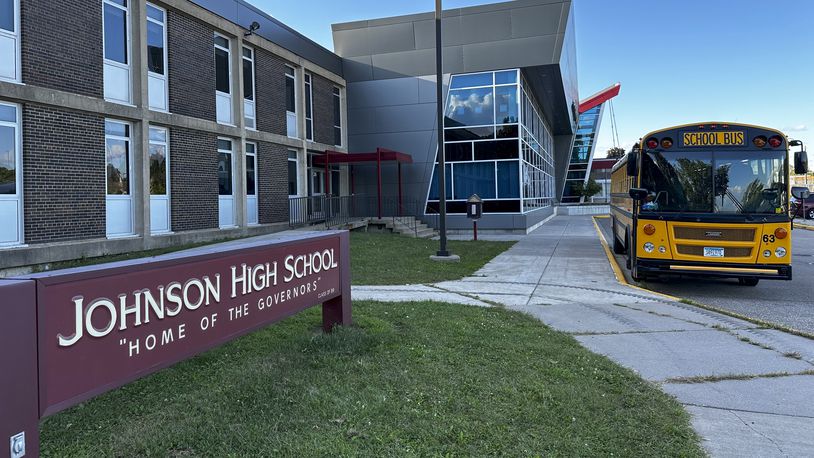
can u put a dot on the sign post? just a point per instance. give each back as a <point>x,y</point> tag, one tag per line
<point>474,211</point>
<point>74,334</point>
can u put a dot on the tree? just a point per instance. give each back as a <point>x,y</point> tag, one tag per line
<point>591,189</point>
<point>616,153</point>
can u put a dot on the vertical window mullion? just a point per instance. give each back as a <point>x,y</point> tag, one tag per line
<point>309,108</point>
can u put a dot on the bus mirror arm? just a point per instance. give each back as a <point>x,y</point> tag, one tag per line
<point>638,194</point>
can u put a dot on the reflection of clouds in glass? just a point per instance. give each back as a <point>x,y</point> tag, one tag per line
<point>473,102</point>
<point>157,153</point>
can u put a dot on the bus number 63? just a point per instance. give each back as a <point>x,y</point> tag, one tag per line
<point>768,238</point>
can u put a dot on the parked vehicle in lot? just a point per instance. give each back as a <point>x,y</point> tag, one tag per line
<point>804,207</point>
<point>795,190</point>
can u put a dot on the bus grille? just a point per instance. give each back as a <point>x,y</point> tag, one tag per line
<point>729,252</point>
<point>726,235</point>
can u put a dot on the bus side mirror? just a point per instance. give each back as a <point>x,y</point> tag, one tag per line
<point>632,164</point>
<point>638,194</point>
<point>800,163</point>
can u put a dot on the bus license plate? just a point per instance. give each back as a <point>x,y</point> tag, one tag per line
<point>713,252</point>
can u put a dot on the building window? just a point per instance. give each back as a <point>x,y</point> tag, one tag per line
<point>159,181</point>
<point>251,183</point>
<point>293,174</point>
<point>309,109</point>
<point>10,40</point>
<point>116,43</point>
<point>291,102</point>
<point>157,58</point>
<point>223,79</point>
<point>248,88</point>
<point>11,177</point>
<point>337,116</point>
<point>483,145</point>
<point>226,198</point>
<point>119,203</point>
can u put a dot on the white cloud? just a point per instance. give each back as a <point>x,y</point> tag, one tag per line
<point>797,128</point>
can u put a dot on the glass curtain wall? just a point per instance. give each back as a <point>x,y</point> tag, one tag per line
<point>537,144</point>
<point>491,131</point>
<point>581,154</point>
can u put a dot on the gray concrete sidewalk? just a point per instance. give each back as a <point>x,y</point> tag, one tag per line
<point>750,391</point>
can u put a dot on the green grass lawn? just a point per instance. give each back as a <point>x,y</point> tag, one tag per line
<point>411,379</point>
<point>387,259</point>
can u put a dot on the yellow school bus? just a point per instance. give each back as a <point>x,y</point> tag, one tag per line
<point>709,199</point>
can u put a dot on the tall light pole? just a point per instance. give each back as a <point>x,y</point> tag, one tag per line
<point>439,100</point>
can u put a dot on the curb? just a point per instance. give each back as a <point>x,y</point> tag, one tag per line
<point>803,226</point>
<point>620,277</point>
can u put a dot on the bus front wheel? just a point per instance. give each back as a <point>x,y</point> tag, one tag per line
<point>748,281</point>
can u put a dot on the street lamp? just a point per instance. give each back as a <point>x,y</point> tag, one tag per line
<point>443,254</point>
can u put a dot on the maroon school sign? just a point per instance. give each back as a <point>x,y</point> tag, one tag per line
<point>76,333</point>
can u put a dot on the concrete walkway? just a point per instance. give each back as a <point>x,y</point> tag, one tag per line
<point>750,391</point>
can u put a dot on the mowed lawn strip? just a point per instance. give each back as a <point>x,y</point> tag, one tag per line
<point>408,379</point>
<point>387,259</point>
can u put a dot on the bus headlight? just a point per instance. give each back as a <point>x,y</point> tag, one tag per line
<point>767,253</point>
<point>649,247</point>
<point>662,249</point>
<point>780,252</point>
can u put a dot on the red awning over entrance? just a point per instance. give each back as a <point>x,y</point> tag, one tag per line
<point>381,155</point>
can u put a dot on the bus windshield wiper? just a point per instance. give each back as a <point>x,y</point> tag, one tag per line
<point>735,201</point>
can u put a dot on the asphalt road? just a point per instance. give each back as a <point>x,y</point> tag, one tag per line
<point>789,303</point>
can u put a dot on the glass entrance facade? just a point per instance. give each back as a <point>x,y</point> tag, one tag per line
<point>496,145</point>
<point>581,154</point>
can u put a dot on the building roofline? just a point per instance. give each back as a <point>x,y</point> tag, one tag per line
<point>452,12</point>
<point>600,97</point>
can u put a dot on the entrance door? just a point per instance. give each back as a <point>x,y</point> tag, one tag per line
<point>119,202</point>
<point>11,177</point>
<point>226,196</point>
<point>159,181</point>
<point>251,183</point>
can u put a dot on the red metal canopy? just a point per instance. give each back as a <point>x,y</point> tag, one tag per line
<point>381,154</point>
<point>600,97</point>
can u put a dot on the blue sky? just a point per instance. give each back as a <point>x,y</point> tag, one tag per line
<point>679,61</point>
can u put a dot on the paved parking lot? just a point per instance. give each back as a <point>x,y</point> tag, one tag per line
<point>788,303</point>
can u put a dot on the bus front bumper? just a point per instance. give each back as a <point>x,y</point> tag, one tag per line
<point>711,269</point>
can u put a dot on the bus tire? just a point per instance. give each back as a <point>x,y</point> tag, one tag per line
<point>748,281</point>
<point>618,247</point>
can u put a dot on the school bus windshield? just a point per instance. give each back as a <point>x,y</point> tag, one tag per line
<point>745,182</point>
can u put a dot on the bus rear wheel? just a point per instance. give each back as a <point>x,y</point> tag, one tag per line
<point>747,281</point>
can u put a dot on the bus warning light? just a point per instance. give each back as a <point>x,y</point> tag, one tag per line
<point>652,143</point>
<point>775,141</point>
<point>759,141</point>
<point>666,142</point>
<point>781,233</point>
<point>649,229</point>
